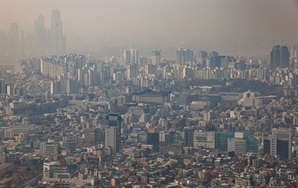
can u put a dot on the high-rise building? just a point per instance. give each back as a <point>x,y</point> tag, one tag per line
<point>130,56</point>
<point>183,56</point>
<point>213,53</point>
<point>111,139</point>
<point>55,87</point>
<point>279,57</point>
<point>155,57</point>
<point>145,60</point>
<point>150,68</point>
<point>2,87</point>
<point>40,32</point>
<point>188,134</point>
<point>58,42</point>
<point>279,143</point>
<point>113,133</point>
<point>14,31</point>
<point>71,86</point>
<point>201,58</point>
<point>153,138</point>
<point>132,70</point>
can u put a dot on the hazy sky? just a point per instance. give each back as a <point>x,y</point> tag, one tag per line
<point>236,19</point>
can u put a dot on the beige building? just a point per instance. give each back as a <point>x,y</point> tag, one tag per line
<point>204,139</point>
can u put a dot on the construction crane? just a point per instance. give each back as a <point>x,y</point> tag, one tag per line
<point>61,154</point>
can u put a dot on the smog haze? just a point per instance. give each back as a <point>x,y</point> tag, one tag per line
<point>250,26</point>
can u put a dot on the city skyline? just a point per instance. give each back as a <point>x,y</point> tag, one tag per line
<point>198,25</point>
<point>144,94</point>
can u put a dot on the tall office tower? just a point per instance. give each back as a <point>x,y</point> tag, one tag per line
<point>201,58</point>
<point>188,133</point>
<point>183,56</point>
<point>113,133</point>
<point>279,57</point>
<point>126,56</point>
<point>134,56</point>
<point>22,43</point>
<point>130,56</point>
<point>155,57</point>
<point>2,86</point>
<point>179,54</point>
<point>153,138</point>
<point>40,32</point>
<point>111,139</point>
<point>58,41</point>
<point>14,31</point>
<point>132,70</point>
<point>279,143</point>
<point>4,44</point>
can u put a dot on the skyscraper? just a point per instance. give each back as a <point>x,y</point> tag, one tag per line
<point>57,39</point>
<point>279,143</point>
<point>111,139</point>
<point>279,57</point>
<point>155,57</point>
<point>131,56</point>
<point>183,56</point>
<point>40,32</point>
<point>201,58</point>
<point>14,31</point>
<point>132,70</point>
<point>153,139</point>
<point>150,69</point>
<point>113,133</point>
<point>2,86</point>
<point>188,136</point>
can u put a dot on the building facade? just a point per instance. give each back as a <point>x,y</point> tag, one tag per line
<point>279,57</point>
<point>279,143</point>
<point>113,133</point>
<point>204,139</point>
